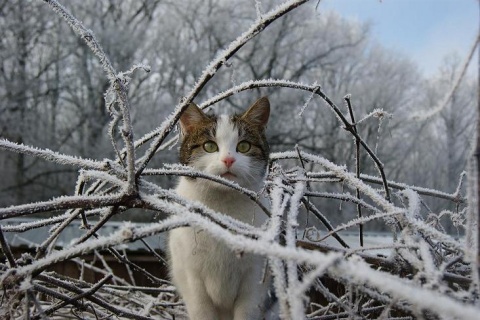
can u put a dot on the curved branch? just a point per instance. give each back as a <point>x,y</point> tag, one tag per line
<point>210,71</point>
<point>53,156</point>
<point>62,203</point>
<point>86,35</point>
<point>318,91</point>
<point>188,172</point>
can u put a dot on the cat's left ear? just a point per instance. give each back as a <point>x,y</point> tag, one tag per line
<point>258,113</point>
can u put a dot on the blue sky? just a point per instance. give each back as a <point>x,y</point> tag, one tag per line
<point>425,30</point>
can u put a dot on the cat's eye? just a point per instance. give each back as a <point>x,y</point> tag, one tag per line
<point>210,146</point>
<point>243,146</point>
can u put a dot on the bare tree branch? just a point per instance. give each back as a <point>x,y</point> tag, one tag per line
<point>427,270</point>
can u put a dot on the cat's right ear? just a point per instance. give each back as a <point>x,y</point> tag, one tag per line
<point>191,118</point>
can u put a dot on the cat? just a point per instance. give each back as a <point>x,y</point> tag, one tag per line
<point>215,282</point>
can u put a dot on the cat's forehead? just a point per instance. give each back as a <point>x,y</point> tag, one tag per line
<point>218,125</point>
<point>227,133</point>
<point>225,125</point>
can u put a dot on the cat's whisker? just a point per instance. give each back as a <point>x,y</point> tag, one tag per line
<point>250,176</point>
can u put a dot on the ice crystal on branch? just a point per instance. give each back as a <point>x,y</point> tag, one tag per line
<point>320,269</point>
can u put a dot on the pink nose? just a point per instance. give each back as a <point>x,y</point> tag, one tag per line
<point>228,161</point>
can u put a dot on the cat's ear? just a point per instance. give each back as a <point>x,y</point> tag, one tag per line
<point>258,113</point>
<point>192,117</point>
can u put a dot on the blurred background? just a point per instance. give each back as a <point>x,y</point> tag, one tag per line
<point>400,56</point>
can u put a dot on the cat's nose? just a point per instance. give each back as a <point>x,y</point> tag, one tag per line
<point>228,161</point>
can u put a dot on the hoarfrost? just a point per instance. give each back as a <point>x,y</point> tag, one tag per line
<point>423,265</point>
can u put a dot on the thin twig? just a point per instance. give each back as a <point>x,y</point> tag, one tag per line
<point>85,34</point>
<point>53,156</point>
<point>152,251</point>
<point>325,222</point>
<point>43,247</point>
<point>190,172</point>
<point>127,262</point>
<point>357,165</point>
<point>78,297</point>
<point>62,203</point>
<point>328,176</point>
<point>453,89</point>
<point>343,197</point>
<point>98,301</point>
<point>92,230</point>
<point>6,250</point>
<point>57,295</point>
<point>308,189</point>
<point>382,262</point>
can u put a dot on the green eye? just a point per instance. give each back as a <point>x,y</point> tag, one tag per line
<point>243,146</point>
<point>210,146</point>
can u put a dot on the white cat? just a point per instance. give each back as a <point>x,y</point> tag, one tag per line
<point>215,282</point>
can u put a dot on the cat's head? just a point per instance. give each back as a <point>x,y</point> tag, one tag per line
<point>233,147</point>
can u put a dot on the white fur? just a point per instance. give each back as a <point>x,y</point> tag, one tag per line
<point>215,282</point>
<point>248,174</point>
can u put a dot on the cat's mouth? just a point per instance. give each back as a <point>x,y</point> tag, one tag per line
<point>228,175</point>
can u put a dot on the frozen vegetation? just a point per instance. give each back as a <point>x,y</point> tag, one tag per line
<point>330,173</point>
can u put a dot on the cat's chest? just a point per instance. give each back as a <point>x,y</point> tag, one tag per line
<point>228,202</point>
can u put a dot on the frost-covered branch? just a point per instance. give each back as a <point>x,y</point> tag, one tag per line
<point>93,298</point>
<point>6,250</point>
<point>424,269</point>
<point>456,83</point>
<point>53,156</point>
<point>117,81</point>
<point>341,174</point>
<point>455,197</point>
<point>357,163</point>
<point>62,203</point>
<point>189,172</point>
<point>124,235</point>
<point>315,89</point>
<point>75,298</point>
<point>210,71</point>
<point>85,34</point>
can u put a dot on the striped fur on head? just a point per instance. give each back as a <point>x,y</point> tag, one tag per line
<point>234,147</point>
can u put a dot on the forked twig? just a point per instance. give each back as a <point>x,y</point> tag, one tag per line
<point>357,164</point>
<point>75,298</point>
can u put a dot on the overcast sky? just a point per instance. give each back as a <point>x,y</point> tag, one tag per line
<point>425,30</point>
